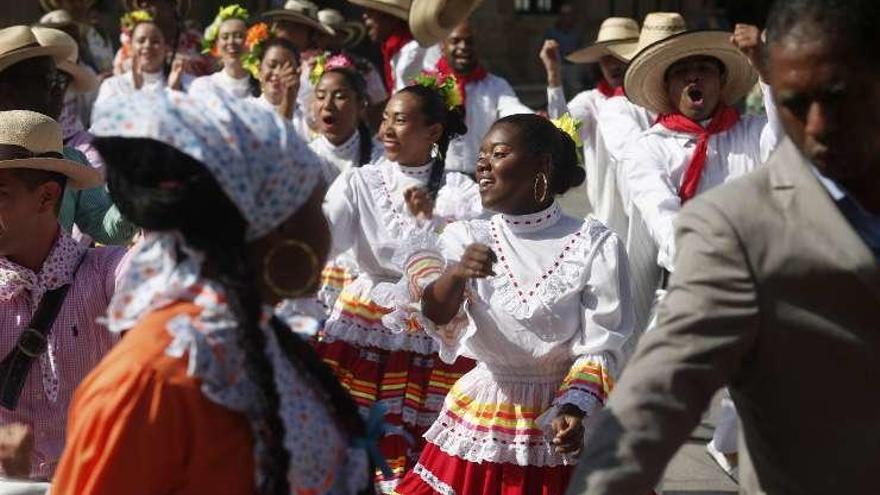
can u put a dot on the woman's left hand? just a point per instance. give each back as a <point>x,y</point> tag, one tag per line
<point>568,429</point>
<point>419,202</point>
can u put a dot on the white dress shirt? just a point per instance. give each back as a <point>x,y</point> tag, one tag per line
<point>487,101</point>
<point>411,60</point>
<point>657,163</point>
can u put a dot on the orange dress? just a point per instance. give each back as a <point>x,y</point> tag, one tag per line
<point>139,424</point>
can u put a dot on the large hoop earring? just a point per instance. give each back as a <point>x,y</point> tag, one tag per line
<point>310,255</point>
<point>541,179</point>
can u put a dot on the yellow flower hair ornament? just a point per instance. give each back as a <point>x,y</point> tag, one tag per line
<point>572,127</point>
<point>446,85</point>
<point>209,40</point>
<point>253,45</point>
<point>131,19</point>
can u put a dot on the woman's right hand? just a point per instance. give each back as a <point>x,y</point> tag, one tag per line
<point>476,262</point>
<point>552,60</point>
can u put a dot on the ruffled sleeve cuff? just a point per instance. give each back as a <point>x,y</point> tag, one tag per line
<point>452,336</point>
<point>588,384</point>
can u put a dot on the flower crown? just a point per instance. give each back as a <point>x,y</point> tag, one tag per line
<point>446,85</point>
<point>327,61</point>
<point>253,45</point>
<point>572,127</point>
<point>131,19</point>
<point>233,11</point>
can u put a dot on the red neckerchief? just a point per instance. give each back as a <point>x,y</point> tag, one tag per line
<point>461,80</point>
<point>390,47</point>
<point>607,91</point>
<point>723,119</point>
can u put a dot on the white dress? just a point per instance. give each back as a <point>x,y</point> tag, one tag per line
<point>298,118</point>
<point>547,329</point>
<point>123,84</point>
<point>221,81</point>
<point>338,159</point>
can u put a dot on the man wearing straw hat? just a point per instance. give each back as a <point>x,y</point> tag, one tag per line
<point>486,98</point>
<point>408,31</point>
<point>52,288</point>
<point>776,287</point>
<point>30,80</point>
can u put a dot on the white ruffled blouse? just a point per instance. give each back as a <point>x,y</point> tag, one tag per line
<point>298,118</point>
<point>337,159</point>
<point>221,81</point>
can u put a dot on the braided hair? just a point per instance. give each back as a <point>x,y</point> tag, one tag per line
<point>540,137</point>
<point>356,82</point>
<point>434,110</point>
<point>160,188</point>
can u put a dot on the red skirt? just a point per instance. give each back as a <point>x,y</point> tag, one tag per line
<point>410,385</point>
<point>437,472</point>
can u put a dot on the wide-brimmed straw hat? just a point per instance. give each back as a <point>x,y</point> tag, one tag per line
<point>397,8</point>
<point>431,21</point>
<point>621,31</point>
<point>657,26</point>
<point>84,80</point>
<point>300,12</point>
<point>57,19</point>
<point>50,5</point>
<point>347,33</point>
<point>32,140</point>
<point>644,82</point>
<point>18,43</point>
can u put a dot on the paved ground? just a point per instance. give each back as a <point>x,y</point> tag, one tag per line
<point>692,471</point>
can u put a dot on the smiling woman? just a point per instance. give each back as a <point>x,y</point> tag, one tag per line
<point>224,39</point>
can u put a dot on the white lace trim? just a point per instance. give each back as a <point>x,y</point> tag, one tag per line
<point>433,481</point>
<point>459,198</point>
<point>564,277</point>
<point>533,222</point>
<point>398,224</point>
<point>344,328</point>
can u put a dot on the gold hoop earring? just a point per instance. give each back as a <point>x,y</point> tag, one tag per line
<point>542,178</point>
<point>310,255</point>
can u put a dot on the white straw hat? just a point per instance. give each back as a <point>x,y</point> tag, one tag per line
<point>301,12</point>
<point>397,8</point>
<point>644,82</point>
<point>657,26</point>
<point>431,21</point>
<point>32,140</point>
<point>621,31</point>
<point>84,80</point>
<point>18,43</point>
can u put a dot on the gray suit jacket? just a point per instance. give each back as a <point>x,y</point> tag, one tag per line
<point>776,296</point>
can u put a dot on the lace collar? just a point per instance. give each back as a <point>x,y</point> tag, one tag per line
<point>421,173</point>
<point>533,222</point>
<point>348,150</point>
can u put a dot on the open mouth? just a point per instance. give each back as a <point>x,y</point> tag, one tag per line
<point>328,120</point>
<point>695,95</point>
<point>485,183</point>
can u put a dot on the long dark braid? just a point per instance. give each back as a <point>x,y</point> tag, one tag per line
<point>160,188</point>
<point>435,111</point>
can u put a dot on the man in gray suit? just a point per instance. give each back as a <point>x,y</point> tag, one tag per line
<point>776,292</point>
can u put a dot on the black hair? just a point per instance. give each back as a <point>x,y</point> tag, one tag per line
<point>33,178</point>
<point>273,41</point>
<point>851,21</point>
<point>356,82</point>
<point>722,69</point>
<point>160,188</point>
<point>434,109</point>
<point>540,136</point>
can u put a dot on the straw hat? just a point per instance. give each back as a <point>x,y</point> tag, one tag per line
<point>347,33</point>
<point>431,21</point>
<point>57,19</point>
<point>644,81</point>
<point>18,43</point>
<point>84,80</point>
<point>657,25</point>
<point>397,8</point>
<point>182,5</point>
<point>621,31</point>
<point>300,12</point>
<point>50,5</point>
<point>41,136</point>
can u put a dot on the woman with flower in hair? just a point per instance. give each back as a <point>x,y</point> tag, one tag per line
<point>148,50</point>
<point>380,212</point>
<point>542,301</point>
<point>225,40</point>
<point>275,63</point>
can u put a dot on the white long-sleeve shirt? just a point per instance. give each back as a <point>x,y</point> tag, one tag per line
<point>487,101</point>
<point>221,81</point>
<point>656,165</point>
<point>411,60</point>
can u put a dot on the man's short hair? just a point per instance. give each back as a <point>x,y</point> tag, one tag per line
<point>33,178</point>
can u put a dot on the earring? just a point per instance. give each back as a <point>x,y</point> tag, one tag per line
<point>310,255</point>
<point>541,178</point>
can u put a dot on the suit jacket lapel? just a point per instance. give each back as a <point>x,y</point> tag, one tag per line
<point>818,218</point>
